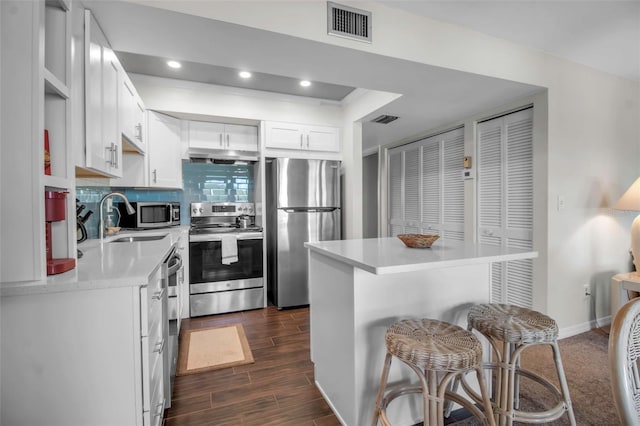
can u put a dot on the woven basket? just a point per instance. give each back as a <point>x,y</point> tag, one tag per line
<point>418,240</point>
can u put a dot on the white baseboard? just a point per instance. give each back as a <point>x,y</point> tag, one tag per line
<point>328,401</point>
<point>584,327</point>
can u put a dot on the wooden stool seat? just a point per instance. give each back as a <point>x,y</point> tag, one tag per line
<point>510,330</point>
<point>428,347</point>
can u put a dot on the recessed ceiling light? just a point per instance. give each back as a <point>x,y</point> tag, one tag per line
<point>244,74</point>
<point>174,64</point>
<point>305,83</point>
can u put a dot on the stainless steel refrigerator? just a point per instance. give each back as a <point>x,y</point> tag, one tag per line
<point>302,204</point>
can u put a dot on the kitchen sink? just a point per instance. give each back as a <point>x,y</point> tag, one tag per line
<point>136,238</point>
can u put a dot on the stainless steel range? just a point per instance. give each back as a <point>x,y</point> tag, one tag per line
<point>225,259</point>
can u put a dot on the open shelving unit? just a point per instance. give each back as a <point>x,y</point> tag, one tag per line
<point>37,36</point>
<point>57,120</point>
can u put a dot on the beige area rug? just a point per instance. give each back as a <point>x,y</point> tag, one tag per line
<point>213,348</point>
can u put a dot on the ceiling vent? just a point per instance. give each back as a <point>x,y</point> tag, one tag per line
<point>384,119</point>
<point>349,22</point>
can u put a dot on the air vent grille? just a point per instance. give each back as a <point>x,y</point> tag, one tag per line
<point>384,119</point>
<point>348,22</point>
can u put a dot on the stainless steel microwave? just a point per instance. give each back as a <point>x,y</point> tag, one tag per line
<point>150,214</point>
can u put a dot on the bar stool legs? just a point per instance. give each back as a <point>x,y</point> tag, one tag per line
<point>432,348</point>
<point>510,330</point>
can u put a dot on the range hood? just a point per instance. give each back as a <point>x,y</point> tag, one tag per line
<point>204,160</point>
<point>202,155</point>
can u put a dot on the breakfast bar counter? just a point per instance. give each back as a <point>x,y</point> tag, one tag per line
<point>358,288</point>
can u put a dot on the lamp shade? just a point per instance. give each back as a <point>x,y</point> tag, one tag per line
<point>630,200</point>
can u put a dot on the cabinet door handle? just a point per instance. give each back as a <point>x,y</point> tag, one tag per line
<point>159,347</point>
<point>155,175</point>
<point>307,141</point>
<point>221,143</point>
<point>112,155</point>
<point>227,141</point>
<point>115,156</point>
<point>301,141</point>
<point>139,131</point>
<point>158,295</point>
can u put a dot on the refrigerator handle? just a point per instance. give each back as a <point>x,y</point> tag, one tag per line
<point>310,210</point>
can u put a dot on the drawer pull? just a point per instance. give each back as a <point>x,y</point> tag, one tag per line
<point>158,295</point>
<point>159,347</point>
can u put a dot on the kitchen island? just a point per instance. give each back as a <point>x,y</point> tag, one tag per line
<point>358,288</point>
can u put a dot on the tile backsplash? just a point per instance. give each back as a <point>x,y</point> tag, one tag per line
<point>201,182</point>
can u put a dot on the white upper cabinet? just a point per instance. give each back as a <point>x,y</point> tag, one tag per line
<point>165,162</point>
<point>131,115</point>
<point>103,141</point>
<point>302,137</point>
<point>205,135</point>
<point>241,138</point>
<point>322,138</point>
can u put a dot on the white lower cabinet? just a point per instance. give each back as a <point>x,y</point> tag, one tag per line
<point>154,345</point>
<point>85,357</point>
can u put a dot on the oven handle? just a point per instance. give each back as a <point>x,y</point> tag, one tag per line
<point>205,238</point>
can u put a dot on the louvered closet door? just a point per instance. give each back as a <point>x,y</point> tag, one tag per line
<point>396,208</point>
<point>453,185</point>
<point>411,180</point>
<point>432,186</point>
<point>426,192</point>
<point>404,190</point>
<point>505,200</point>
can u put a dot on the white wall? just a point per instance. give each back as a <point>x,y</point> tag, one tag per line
<point>357,105</point>
<point>593,128</point>
<point>370,205</point>
<point>594,140</point>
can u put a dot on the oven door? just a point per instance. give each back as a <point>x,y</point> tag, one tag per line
<point>205,262</point>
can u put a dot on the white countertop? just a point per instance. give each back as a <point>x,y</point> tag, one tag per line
<point>390,255</point>
<point>106,265</point>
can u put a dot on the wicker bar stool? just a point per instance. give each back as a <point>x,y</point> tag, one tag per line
<point>430,347</point>
<point>510,330</point>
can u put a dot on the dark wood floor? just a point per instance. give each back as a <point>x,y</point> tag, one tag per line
<point>278,389</point>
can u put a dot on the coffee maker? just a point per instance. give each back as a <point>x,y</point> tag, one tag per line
<point>55,208</point>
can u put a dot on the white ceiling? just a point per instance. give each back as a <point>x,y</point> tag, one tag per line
<point>226,76</point>
<point>602,34</point>
<point>431,96</point>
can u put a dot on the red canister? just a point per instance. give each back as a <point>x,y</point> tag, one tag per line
<point>55,205</point>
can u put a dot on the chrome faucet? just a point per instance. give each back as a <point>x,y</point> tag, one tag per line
<point>130,209</point>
